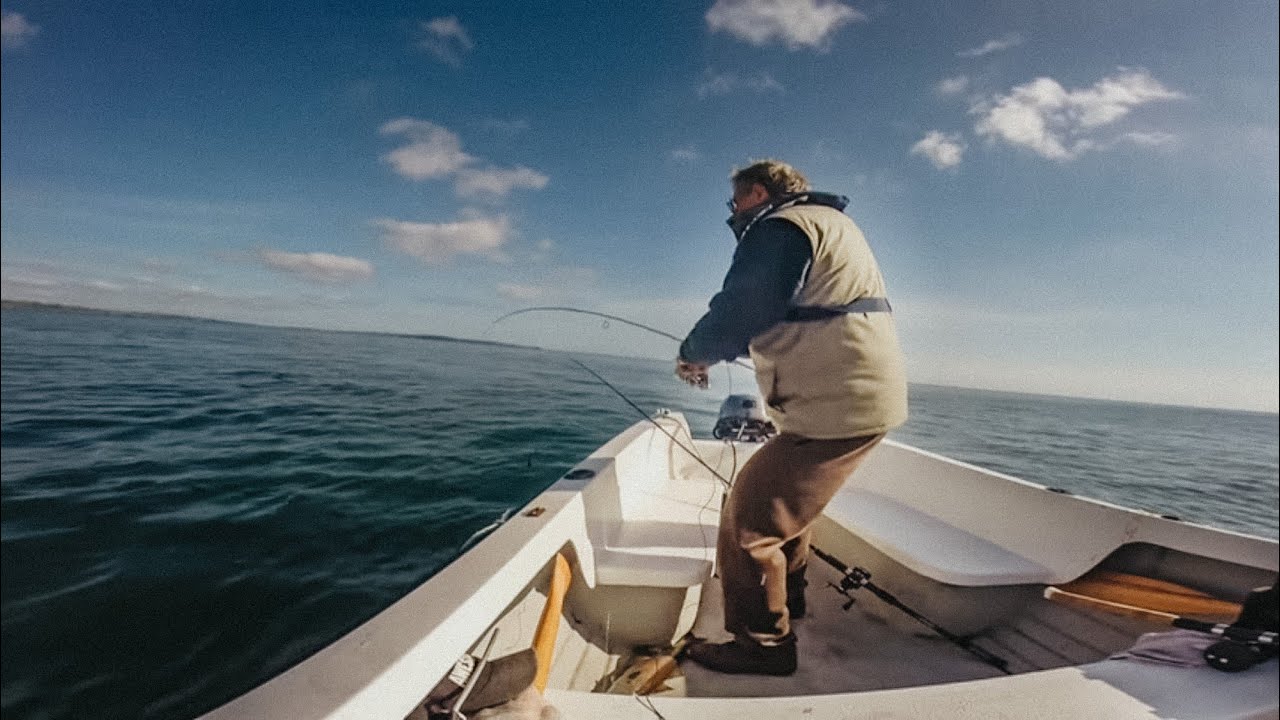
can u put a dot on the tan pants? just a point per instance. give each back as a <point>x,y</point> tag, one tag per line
<point>765,525</point>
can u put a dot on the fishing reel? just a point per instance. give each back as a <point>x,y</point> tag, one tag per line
<point>742,418</point>
<point>853,578</point>
<point>1236,655</point>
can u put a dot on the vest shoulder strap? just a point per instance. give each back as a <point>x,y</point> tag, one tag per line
<point>803,313</point>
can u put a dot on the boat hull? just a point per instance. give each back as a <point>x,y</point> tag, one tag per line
<point>970,549</point>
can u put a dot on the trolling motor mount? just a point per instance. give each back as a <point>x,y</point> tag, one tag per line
<point>742,418</point>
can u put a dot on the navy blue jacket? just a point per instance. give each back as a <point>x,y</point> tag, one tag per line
<point>768,266</point>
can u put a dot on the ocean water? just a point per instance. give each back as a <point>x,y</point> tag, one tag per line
<point>190,507</point>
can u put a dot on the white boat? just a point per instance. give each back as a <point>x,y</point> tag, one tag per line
<point>971,550</point>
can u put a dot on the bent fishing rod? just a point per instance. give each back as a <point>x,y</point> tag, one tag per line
<point>605,316</point>
<point>852,577</point>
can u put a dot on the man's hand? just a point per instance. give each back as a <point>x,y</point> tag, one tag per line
<point>693,373</point>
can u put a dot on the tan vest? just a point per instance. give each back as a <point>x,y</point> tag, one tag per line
<point>838,377</point>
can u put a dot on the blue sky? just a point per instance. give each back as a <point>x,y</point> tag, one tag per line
<point>1073,198</point>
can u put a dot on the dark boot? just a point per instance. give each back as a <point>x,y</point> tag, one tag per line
<point>743,656</point>
<point>796,605</point>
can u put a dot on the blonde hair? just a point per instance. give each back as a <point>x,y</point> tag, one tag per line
<point>777,177</point>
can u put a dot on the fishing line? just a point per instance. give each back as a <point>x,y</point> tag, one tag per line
<point>674,439</point>
<point>647,703</point>
<point>693,453</point>
<point>564,308</point>
<point>606,316</point>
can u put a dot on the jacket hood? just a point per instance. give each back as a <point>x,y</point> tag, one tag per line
<point>740,223</point>
<point>839,202</point>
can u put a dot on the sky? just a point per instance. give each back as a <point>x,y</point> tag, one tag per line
<point>1065,198</point>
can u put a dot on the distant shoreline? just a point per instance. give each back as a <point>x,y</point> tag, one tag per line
<point>33,305</point>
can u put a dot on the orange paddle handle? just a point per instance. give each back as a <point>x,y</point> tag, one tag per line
<point>1159,595</point>
<point>544,637</point>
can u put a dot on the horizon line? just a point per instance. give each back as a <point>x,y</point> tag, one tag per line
<point>39,304</point>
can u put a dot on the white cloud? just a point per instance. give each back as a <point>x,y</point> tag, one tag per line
<point>953,85</point>
<point>447,40</point>
<point>521,293</point>
<point>436,152</point>
<point>318,266</point>
<point>723,83</point>
<point>992,46</point>
<point>541,252</point>
<point>1112,98</point>
<point>497,181</point>
<point>15,30</point>
<point>1150,139</point>
<point>432,152</point>
<point>944,150</point>
<point>795,23</point>
<point>436,243</point>
<point>160,266</point>
<point>686,154</point>
<point>1060,124</point>
<point>28,280</point>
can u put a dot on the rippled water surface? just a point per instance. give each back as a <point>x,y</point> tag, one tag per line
<point>190,507</point>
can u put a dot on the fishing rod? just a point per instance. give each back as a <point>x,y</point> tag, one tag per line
<point>606,316</point>
<point>856,577</point>
<point>561,308</point>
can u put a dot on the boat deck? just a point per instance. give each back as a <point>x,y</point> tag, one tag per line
<point>852,651</point>
<point>867,647</point>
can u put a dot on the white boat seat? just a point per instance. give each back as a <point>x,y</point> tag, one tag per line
<point>625,568</point>
<point>930,546</point>
<point>664,541</point>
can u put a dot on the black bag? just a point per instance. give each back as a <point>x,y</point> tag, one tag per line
<point>500,681</point>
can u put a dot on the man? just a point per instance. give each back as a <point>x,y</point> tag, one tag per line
<point>805,298</point>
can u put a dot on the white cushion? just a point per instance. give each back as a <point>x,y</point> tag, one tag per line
<point>930,546</point>
<point>624,568</point>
